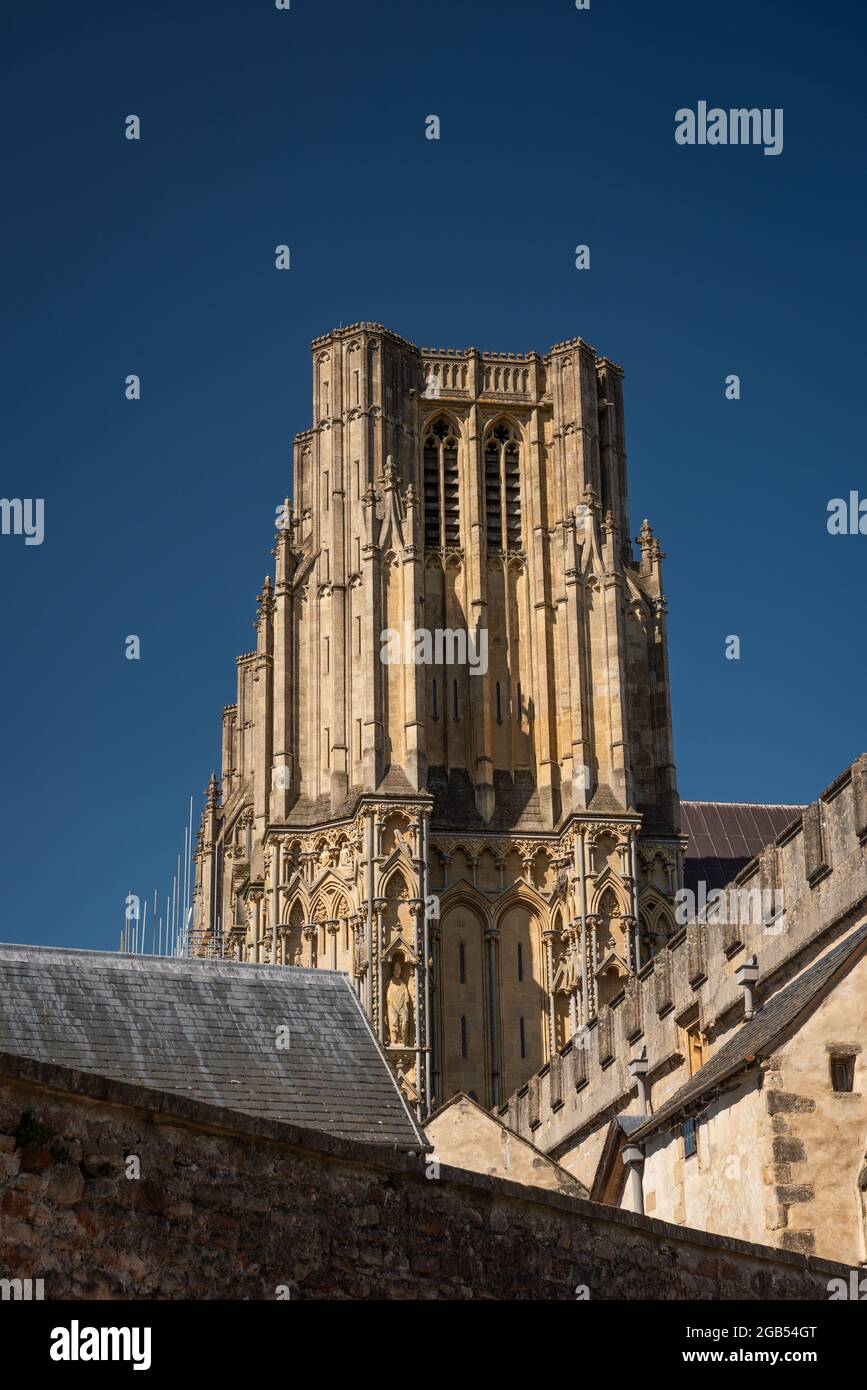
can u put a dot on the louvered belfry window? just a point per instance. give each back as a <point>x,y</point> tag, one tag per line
<point>442,527</point>
<point>503,489</point>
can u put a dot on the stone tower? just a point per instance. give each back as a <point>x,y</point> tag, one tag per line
<point>449,768</point>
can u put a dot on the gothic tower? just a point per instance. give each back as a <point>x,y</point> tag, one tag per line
<point>449,769</point>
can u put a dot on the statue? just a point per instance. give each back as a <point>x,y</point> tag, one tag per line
<point>398,1004</point>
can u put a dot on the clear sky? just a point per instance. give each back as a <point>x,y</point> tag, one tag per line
<point>307,127</point>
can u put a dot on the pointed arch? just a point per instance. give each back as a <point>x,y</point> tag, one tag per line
<point>441,449</point>
<point>502,451</point>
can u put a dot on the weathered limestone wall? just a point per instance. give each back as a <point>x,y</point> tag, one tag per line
<point>781,1154</point>
<point>722,1186</point>
<point>465,1136</point>
<point>227,1206</point>
<point>817,1137</point>
<point>820,867</point>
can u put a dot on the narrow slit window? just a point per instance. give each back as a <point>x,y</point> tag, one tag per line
<point>434,713</point>
<point>463,1035</point>
<point>843,1073</point>
<point>455,713</point>
<point>462,964</point>
<point>520,961</point>
<point>690,1139</point>
<point>499,704</point>
<point>523,1039</point>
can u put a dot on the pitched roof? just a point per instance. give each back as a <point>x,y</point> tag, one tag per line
<point>569,1182</point>
<point>757,1037</point>
<point>208,1030</point>
<point>726,835</point>
<point>610,1176</point>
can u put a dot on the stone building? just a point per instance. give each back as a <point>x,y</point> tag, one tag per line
<point>158,1141</point>
<point>724,1087</point>
<point>449,769</point>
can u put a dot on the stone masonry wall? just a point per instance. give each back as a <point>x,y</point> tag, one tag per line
<point>228,1206</point>
<point>819,865</point>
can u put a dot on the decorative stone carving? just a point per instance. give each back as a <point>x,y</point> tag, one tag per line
<point>398,1002</point>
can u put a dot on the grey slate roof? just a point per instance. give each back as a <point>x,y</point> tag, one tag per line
<point>726,835</point>
<point>208,1030</point>
<point>759,1035</point>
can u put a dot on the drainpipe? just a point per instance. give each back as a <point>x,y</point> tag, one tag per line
<point>638,1067</point>
<point>746,976</point>
<point>633,1159</point>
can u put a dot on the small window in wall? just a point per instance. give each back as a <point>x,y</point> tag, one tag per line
<point>325,493</point>
<point>523,1039</point>
<point>499,704</point>
<point>434,712</point>
<point>455,714</point>
<point>520,961</point>
<point>462,964</point>
<point>696,1047</point>
<point>358,637</point>
<point>463,1035</point>
<point>326,655</point>
<point>843,1072</point>
<point>358,740</point>
<point>690,1140</point>
<point>520,705</point>
<point>326,748</point>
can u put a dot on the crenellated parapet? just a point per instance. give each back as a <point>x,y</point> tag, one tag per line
<point>786,906</point>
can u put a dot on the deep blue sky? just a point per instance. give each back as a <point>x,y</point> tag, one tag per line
<point>307,127</point>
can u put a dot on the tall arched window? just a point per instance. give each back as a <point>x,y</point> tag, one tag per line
<point>503,489</point>
<point>441,504</point>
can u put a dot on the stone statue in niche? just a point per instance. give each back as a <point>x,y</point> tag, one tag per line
<point>346,862</point>
<point>398,1004</point>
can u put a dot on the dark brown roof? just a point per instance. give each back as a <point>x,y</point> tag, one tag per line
<point>761,1033</point>
<point>726,835</point>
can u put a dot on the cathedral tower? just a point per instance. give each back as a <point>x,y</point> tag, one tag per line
<point>449,768</point>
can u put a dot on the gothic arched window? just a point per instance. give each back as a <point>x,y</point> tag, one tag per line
<point>441,503</point>
<point>503,489</point>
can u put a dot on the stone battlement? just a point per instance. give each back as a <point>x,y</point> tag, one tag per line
<point>817,865</point>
